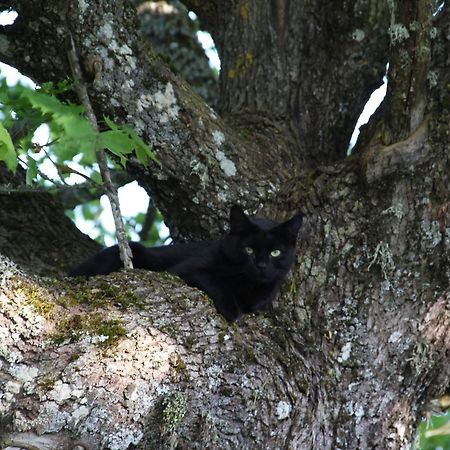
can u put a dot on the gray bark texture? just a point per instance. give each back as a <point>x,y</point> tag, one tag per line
<point>358,342</point>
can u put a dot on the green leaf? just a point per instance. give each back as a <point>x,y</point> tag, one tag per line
<point>71,134</point>
<point>140,146</point>
<point>143,155</point>
<point>110,123</point>
<point>91,210</point>
<point>32,170</point>
<point>7,151</point>
<point>49,104</point>
<point>50,88</point>
<point>116,142</point>
<point>431,443</point>
<point>68,123</point>
<point>96,176</point>
<point>133,142</point>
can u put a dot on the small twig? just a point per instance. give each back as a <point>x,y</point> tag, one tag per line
<point>58,169</point>
<point>40,173</point>
<point>76,172</point>
<point>71,196</point>
<point>111,191</point>
<point>49,143</point>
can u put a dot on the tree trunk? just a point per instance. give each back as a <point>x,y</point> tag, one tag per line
<point>358,342</point>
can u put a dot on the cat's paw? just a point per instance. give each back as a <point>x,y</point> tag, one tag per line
<point>228,308</point>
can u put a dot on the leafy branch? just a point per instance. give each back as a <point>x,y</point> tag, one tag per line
<point>24,110</point>
<point>74,132</point>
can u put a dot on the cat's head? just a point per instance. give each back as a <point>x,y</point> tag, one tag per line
<point>263,249</point>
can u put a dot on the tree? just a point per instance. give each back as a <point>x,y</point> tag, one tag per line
<point>358,342</point>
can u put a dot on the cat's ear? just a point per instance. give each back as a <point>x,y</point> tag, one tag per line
<point>239,221</point>
<point>291,227</point>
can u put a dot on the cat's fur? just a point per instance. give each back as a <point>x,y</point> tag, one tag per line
<point>237,271</point>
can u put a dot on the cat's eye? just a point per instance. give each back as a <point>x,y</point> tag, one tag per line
<point>275,253</point>
<point>249,250</point>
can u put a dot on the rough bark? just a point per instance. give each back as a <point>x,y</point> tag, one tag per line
<point>34,231</point>
<point>305,70</point>
<point>358,341</point>
<point>173,34</point>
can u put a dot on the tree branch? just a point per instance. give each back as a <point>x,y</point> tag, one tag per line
<point>207,160</point>
<point>149,220</point>
<point>381,161</point>
<point>71,196</point>
<point>111,191</point>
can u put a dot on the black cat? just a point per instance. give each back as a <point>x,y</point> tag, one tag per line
<point>241,272</point>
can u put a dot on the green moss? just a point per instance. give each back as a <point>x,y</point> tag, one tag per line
<point>221,337</point>
<point>37,300</point>
<point>294,288</point>
<point>47,383</point>
<point>242,65</point>
<point>180,368</point>
<point>104,293</point>
<point>74,357</point>
<point>279,337</point>
<point>189,342</point>
<point>169,63</point>
<point>173,411</point>
<point>244,11</point>
<point>114,329</point>
<point>170,330</point>
<point>250,356</point>
<point>179,365</point>
<point>74,327</point>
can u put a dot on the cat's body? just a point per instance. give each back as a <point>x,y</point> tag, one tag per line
<point>241,272</point>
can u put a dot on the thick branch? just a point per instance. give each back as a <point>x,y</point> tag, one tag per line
<point>304,73</point>
<point>206,163</point>
<point>381,161</point>
<point>407,98</point>
<point>361,322</point>
<point>213,165</point>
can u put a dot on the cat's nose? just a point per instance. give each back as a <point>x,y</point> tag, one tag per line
<point>261,264</point>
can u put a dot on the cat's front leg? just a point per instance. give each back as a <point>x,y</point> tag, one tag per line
<point>224,300</point>
<point>228,307</point>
